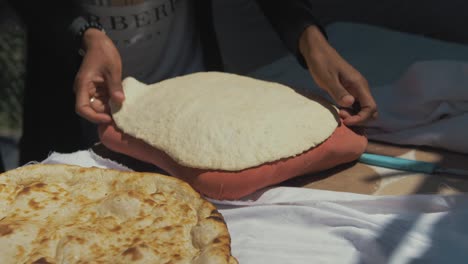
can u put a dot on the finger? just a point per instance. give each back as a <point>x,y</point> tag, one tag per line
<point>360,118</point>
<point>88,113</point>
<point>83,107</point>
<point>113,79</point>
<point>344,114</point>
<point>368,110</point>
<point>366,113</point>
<point>81,81</point>
<point>340,94</point>
<point>99,104</point>
<point>365,106</point>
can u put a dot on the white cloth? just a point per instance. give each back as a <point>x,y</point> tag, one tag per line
<point>302,226</point>
<point>427,106</point>
<point>294,225</point>
<point>83,158</point>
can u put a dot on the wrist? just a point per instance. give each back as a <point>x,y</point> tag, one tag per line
<point>311,40</point>
<point>91,37</point>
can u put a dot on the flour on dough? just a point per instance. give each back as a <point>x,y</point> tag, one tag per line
<point>222,121</point>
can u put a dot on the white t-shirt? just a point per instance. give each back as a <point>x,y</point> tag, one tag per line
<point>157,39</point>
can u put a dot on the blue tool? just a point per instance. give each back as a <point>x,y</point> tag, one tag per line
<point>408,165</point>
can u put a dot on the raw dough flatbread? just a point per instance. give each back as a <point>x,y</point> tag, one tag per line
<point>69,214</point>
<point>221,121</point>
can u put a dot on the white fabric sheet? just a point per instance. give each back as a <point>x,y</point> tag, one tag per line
<point>296,225</point>
<point>428,105</point>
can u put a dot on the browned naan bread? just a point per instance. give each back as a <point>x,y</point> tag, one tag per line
<point>69,214</point>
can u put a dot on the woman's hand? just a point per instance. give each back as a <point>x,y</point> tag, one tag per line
<point>99,78</point>
<point>333,74</point>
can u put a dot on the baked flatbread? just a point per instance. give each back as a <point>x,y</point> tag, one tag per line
<point>221,121</point>
<point>69,214</point>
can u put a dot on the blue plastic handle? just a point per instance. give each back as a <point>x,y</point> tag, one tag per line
<point>398,163</point>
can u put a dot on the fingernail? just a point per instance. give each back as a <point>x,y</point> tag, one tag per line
<point>348,100</point>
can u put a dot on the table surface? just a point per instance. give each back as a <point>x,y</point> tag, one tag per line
<point>362,178</point>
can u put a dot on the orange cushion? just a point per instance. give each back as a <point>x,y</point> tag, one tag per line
<point>343,146</point>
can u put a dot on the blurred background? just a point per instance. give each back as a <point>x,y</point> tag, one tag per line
<point>12,76</point>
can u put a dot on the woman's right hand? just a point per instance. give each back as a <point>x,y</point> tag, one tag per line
<point>99,78</point>
<point>336,76</point>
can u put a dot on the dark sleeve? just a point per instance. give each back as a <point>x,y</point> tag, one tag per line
<point>52,61</point>
<point>289,19</point>
<point>58,21</point>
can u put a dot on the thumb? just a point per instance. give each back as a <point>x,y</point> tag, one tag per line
<point>114,86</point>
<point>340,94</point>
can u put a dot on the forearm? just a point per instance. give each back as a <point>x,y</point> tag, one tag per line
<point>290,19</point>
<point>312,42</point>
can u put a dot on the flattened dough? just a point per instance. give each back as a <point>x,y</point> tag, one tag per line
<point>221,121</point>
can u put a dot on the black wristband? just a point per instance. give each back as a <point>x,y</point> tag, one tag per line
<point>82,29</point>
<point>87,26</point>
